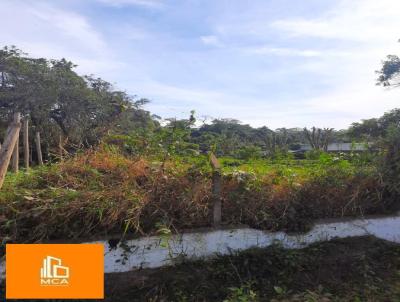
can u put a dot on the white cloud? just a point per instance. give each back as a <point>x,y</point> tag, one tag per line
<point>281,51</point>
<point>211,40</point>
<point>185,96</point>
<point>71,25</point>
<point>352,104</point>
<point>364,31</point>
<point>154,4</point>
<point>357,20</point>
<point>43,30</point>
<point>283,72</point>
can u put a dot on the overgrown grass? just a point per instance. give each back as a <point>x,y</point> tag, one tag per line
<point>103,191</point>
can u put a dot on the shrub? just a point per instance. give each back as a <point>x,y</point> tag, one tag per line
<point>390,165</point>
<point>248,152</point>
<point>313,154</point>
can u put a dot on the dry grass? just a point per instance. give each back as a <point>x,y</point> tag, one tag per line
<point>103,192</point>
<point>263,203</point>
<point>99,192</point>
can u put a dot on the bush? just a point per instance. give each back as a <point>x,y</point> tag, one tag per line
<point>248,152</point>
<point>313,154</point>
<point>390,165</point>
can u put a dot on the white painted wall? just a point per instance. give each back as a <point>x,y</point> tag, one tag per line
<point>153,252</point>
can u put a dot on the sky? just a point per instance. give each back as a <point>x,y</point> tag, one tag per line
<point>274,63</point>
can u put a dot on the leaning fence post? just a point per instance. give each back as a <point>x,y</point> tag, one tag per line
<point>26,142</point>
<point>15,154</point>
<point>8,146</point>
<point>216,189</point>
<point>38,148</point>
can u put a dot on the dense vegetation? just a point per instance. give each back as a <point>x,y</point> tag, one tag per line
<point>104,191</point>
<point>83,109</point>
<point>58,101</point>
<point>130,173</point>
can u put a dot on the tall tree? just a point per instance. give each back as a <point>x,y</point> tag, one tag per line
<point>318,138</point>
<point>390,71</point>
<point>59,101</point>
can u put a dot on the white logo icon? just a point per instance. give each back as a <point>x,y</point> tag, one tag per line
<point>53,273</point>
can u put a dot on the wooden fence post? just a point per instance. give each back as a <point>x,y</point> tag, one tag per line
<point>15,156</point>
<point>60,148</point>
<point>8,146</point>
<point>38,148</point>
<point>216,189</point>
<point>26,142</point>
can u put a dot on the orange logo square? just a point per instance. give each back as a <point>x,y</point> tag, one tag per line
<point>42,271</point>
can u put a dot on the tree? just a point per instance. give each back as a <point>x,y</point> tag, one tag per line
<point>376,128</point>
<point>390,71</point>
<point>60,102</point>
<point>318,138</point>
<point>389,134</point>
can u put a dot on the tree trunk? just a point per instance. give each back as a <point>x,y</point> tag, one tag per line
<point>38,148</point>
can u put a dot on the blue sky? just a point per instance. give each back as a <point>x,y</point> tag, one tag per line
<point>279,63</point>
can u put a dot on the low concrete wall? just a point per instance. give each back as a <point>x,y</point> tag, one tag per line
<point>153,252</point>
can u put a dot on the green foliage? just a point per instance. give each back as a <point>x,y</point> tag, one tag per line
<point>161,142</point>
<point>241,294</point>
<point>313,154</point>
<point>228,137</point>
<point>325,159</point>
<point>59,101</point>
<point>174,138</point>
<point>248,152</point>
<point>282,155</point>
<point>389,72</point>
<point>107,189</point>
<point>164,233</point>
<point>279,290</point>
<point>390,166</point>
<point>375,129</point>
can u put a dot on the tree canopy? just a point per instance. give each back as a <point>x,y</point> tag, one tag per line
<point>83,109</point>
<point>390,71</point>
<point>59,101</point>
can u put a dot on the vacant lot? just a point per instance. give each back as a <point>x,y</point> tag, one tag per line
<point>105,191</point>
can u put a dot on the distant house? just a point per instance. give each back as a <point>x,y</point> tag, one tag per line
<point>337,147</point>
